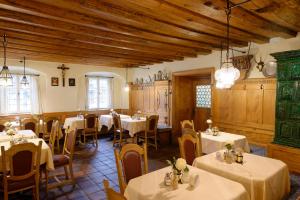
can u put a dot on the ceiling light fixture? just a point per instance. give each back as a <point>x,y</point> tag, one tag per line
<point>227,74</point>
<point>6,78</point>
<point>24,80</point>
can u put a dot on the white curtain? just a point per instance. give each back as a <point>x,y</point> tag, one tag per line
<point>36,105</point>
<point>15,91</point>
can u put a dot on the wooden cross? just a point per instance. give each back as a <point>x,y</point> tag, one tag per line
<point>63,72</point>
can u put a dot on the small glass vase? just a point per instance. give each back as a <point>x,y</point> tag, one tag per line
<point>228,157</point>
<point>175,179</point>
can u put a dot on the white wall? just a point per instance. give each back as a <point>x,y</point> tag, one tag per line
<point>213,60</point>
<point>58,98</point>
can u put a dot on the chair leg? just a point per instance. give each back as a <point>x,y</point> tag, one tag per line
<point>5,194</point>
<point>71,174</point>
<point>66,172</point>
<point>57,143</point>
<point>96,140</point>
<point>114,141</point>
<point>37,191</point>
<point>155,140</point>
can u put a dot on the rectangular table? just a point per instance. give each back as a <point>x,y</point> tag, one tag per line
<point>74,123</point>
<point>107,120</point>
<point>263,178</point>
<point>212,143</point>
<point>133,125</point>
<point>28,134</point>
<point>211,187</point>
<point>46,154</point>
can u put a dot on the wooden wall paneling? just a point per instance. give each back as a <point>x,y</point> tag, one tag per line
<point>254,99</point>
<point>268,104</point>
<point>248,108</point>
<point>238,103</point>
<point>162,101</point>
<point>146,98</point>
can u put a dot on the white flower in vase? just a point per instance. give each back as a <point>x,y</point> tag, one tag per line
<point>180,164</point>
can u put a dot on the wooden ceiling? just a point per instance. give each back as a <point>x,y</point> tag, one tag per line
<point>130,33</point>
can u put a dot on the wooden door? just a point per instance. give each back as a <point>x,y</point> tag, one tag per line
<point>202,103</point>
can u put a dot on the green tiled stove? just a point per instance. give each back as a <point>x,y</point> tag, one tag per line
<point>286,144</point>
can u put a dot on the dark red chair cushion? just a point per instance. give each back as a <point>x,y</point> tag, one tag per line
<point>30,126</point>
<point>16,185</point>
<point>60,160</point>
<point>132,166</point>
<point>22,163</point>
<point>189,148</point>
<point>2,127</point>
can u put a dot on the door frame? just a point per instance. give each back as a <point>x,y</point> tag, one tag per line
<point>186,73</point>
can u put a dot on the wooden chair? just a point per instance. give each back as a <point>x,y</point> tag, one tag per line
<point>30,124</point>
<point>189,147</point>
<point>187,125</point>
<point>64,160</point>
<point>53,137</point>
<point>47,126</point>
<point>119,131</point>
<point>90,128</point>
<point>130,157</point>
<point>2,126</point>
<point>151,131</point>
<point>23,173</point>
<point>110,193</point>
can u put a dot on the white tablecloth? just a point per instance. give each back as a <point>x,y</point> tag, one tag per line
<point>263,178</point>
<point>212,143</point>
<point>74,123</point>
<point>46,154</point>
<point>133,125</point>
<point>107,120</point>
<point>28,134</point>
<point>211,187</point>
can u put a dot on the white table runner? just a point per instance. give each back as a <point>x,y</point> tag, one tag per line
<point>263,178</point>
<point>211,187</point>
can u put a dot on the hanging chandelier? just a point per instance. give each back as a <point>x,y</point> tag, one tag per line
<point>6,78</point>
<point>227,74</point>
<point>24,80</point>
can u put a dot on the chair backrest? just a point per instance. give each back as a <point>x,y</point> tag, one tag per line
<point>24,161</point>
<point>189,147</point>
<point>90,121</point>
<point>69,144</point>
<point>187,124</point>
<point>53,134</point>
<point>29,124</point>
<point>110,193</point>
<point>151,124</point>
<point>130,157</point>
<point>47,124</point>
<point>117,122</point>
<point>2,126</point>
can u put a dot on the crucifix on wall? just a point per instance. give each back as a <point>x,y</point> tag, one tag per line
<point>63,72</point>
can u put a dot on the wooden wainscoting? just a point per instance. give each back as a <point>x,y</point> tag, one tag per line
<point>248,108</point>
<point>62,115</point>
<point>289,155</point>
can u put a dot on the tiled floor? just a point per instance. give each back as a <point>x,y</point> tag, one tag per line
<point>92,167</point>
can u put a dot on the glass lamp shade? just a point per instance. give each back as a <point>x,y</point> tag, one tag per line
<point>226,76</point>
<point>24,81</point>
<point>6,78</point>
<point>126,88</point>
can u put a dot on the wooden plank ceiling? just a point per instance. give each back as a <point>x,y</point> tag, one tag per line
<point>130,33</point>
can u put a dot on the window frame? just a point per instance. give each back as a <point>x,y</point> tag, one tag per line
<point>110,89</point>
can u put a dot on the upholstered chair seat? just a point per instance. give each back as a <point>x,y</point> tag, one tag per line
<point>60,160</point>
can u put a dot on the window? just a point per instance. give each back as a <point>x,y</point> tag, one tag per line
<point>99,92</point>
<point>18,98</point>
<point>203,96</point>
